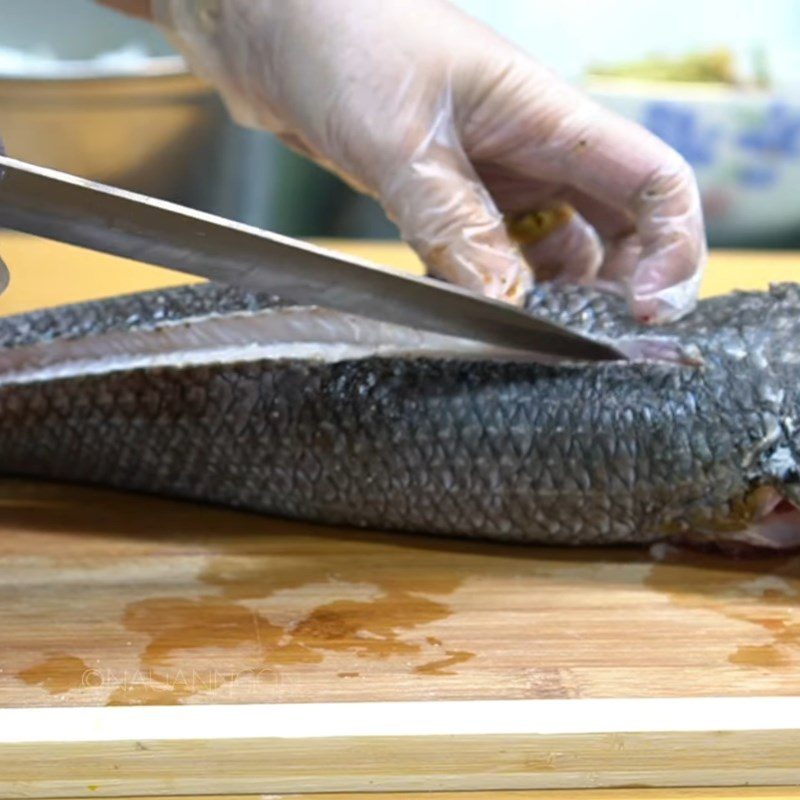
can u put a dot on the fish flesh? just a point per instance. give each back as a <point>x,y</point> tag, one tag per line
<point>215,394</point>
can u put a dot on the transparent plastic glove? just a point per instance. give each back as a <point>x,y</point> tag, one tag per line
<point>457,134</point>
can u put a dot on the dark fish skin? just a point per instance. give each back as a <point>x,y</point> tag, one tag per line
<point>568,454</point>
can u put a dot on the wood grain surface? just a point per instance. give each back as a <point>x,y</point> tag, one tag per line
<point>283,764</point>
<point>747,793</point>
<point>114,599</point>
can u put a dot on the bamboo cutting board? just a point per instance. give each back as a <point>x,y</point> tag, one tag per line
<point>111,601</point>
<point>115,599</point>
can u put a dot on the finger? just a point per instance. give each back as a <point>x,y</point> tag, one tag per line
<point>609,222</point>
<point>666,281</point>
<point>615,228</point>
<point>559,243</point>
<point>446,214</point>
<point>618,163</point>
<point>657,188</point>
<point>622,248</point>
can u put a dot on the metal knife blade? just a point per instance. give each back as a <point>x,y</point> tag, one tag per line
<point>54,205</point>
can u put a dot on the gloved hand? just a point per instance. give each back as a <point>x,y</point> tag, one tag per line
<point>461,137</point>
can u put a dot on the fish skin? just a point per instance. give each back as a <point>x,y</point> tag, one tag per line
<point>569,454</point>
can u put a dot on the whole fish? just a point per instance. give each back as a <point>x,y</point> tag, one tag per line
<point>224,396</point>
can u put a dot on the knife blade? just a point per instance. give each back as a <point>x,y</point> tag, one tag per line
<point>55,205</point>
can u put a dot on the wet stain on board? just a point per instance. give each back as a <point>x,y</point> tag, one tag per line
<point>442,666</point>
<point>210,628</point>
<point>764,655</point>
<point>58,674</point>
<point>229,634</point>
<point>760,589</point>
<point>369,629</point>
<point>196,633</point>
<point>366,629</point>
<point>148,694</point>
<point>175,625</point>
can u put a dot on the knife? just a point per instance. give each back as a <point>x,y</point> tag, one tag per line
<point>63,207</point>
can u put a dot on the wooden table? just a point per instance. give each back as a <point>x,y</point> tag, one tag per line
<point>109,599</point>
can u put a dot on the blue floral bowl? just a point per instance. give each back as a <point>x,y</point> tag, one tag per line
<point>744,146</point>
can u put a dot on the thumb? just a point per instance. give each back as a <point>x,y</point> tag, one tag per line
<point>447,215</point>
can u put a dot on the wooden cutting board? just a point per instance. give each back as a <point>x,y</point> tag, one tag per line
<point>110,600</point>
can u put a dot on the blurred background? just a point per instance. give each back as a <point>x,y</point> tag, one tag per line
<point>93,93</point>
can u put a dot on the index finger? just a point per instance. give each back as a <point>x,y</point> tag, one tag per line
<point>572,141</point>
<point>625,166</point>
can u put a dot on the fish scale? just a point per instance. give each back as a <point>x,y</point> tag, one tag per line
<point>438,443</point>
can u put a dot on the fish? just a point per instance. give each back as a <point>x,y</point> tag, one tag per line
<point>213,394</point>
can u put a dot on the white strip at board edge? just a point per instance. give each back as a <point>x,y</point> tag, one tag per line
<point>398,746</point>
